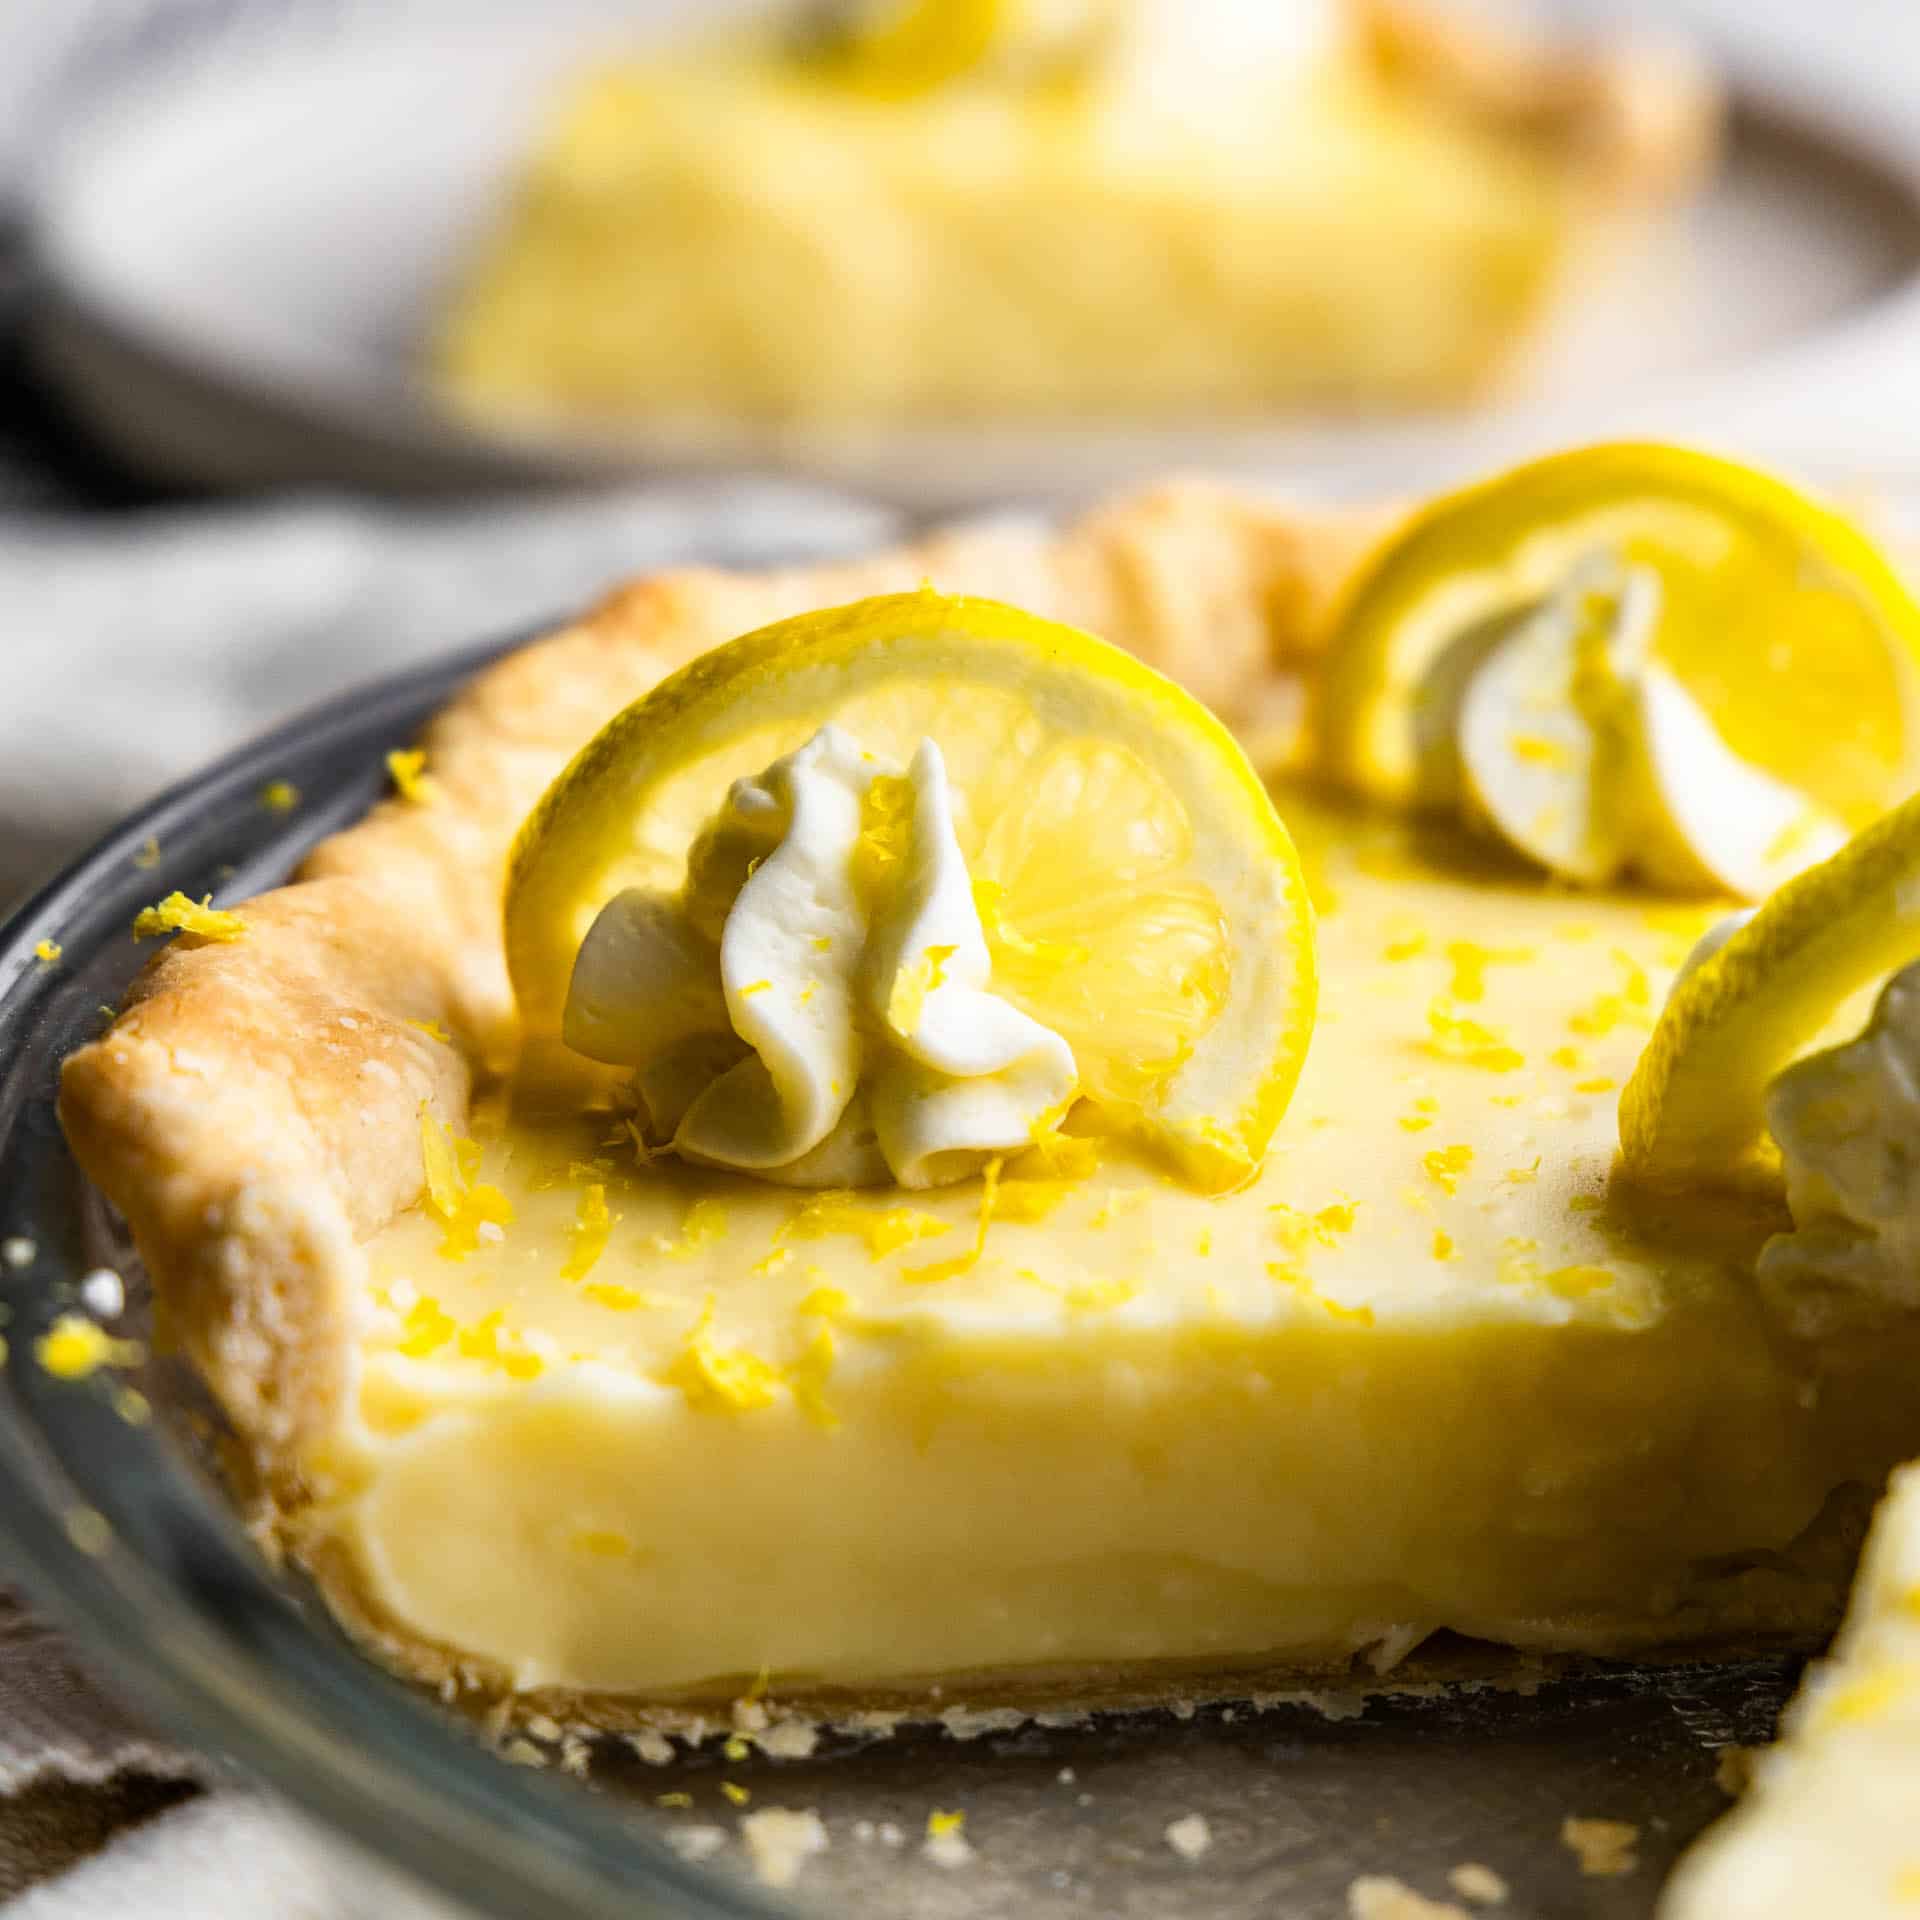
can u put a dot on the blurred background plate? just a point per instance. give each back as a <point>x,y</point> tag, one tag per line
<point>237,249</point>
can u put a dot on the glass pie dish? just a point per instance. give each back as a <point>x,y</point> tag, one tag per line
<point>121,1531</point>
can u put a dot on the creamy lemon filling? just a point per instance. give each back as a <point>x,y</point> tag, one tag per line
<point>1585,754</point>
<point>813,1005</point>
<point>649,1427</point>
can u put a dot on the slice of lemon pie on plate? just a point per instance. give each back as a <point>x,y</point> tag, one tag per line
<point>878,1155</point>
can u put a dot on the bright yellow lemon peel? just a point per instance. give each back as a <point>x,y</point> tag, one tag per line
<point>199,919</point>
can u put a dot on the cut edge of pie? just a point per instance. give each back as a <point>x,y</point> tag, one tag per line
<point>253,1111</point>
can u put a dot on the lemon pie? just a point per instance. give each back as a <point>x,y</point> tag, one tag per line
<point>834,1137</point>
<point>938,210</point>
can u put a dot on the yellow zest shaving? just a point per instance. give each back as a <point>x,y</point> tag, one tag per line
<point>149,855</point>
<point>827,1302</point>
<point>428,1326</point>
<point>1470,961</point>
<point>884,1229</point>
<point>939,1824</point>
<point>719,1379</point>
<point>482,1341</point>
<point>673,1799</point>
<point>74,1347</point>
<point>1631,1006</point>
<point>1537,750</point>
<point>463,1204</point>
<point>807,1379</point>
<point>587,1237</point>
<point>948,1269</point>
<point>279,796</point>
<point>1445,1165</point>
<point>1468,1042</point>
<point>738,1795</point>
<point>433,1030</point>
<point>1407,947</point>
<point>1598,1084</point>
<point>407,769</point>
<point>200,918</point>
<point>618,1299</point>
<point>1290,1275</point>
<point>705,1222</point>
<point>1569,1057</point>
<point>757,986</point>
<point>1523,1176</point>
<point>48,951</point>
<point>908,1001</point>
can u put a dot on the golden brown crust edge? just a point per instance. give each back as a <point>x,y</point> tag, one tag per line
<point>254,1110</point>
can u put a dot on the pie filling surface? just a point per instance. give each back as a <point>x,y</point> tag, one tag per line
<point>620,1425</point>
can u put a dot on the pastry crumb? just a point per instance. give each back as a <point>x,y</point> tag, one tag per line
<point>780,1840</point>
<point>1379,1896</point>
<point>694,1844</point>
<point>1733,1770</point>
<point>789,1740</point>
<point>1471,1881</point>
<point>18,1251</point>
<point>1604,1848</point>
<point>652,1746</point>
<point>149,855</point>
<point>523,1753</point>
<point>946,1845</point>
<point>103,1293</point>
<point>1190,1837</point>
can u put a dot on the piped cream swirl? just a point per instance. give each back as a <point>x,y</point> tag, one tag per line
<point>815,1005</point>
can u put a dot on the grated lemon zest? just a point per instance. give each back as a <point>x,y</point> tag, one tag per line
<point>48,951</point>
<point>705,1222</point>
<point>428,1326</point>
<point>74,1347</point>
<point>464,1205</point>
<point>587,1237</point>
<point>717,1379</point>
<point>1470,961</point>
<point>620,1299</point>
<point>433,1030</point>
<point>939,1824</point>
<point>1468,1042</point>
<point>148,856</point>
<point>1445,1165</point>
<point>949,1269</point>
<point>279,796</point>
<point>827,1302</point>
<point>178,914</point>
<point>885,1230</point>
<point>1442,1245</point>
<point>1523,1176</point>
<point>908,1001</point>
<point>1870,1696</point>
<point>407,769</point>
<point>807,1379</point>
<point>738,1795</point>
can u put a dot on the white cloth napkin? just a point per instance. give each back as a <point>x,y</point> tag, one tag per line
<point>135,650</point>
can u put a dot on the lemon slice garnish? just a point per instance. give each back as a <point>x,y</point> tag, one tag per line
<point>1695,1109</point>
<point>1778,618</point>
<point>1138,892</point>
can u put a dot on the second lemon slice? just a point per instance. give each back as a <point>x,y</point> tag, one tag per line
<point>1782,622</point>
<point>1695,1110</point>
<point>1139,894</point>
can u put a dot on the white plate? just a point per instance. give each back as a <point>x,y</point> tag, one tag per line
<point>239,255</point>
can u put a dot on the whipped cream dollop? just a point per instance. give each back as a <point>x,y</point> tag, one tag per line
<point>1586,755</point>
<point>815,1005</point>
<point>1847,1123</point>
